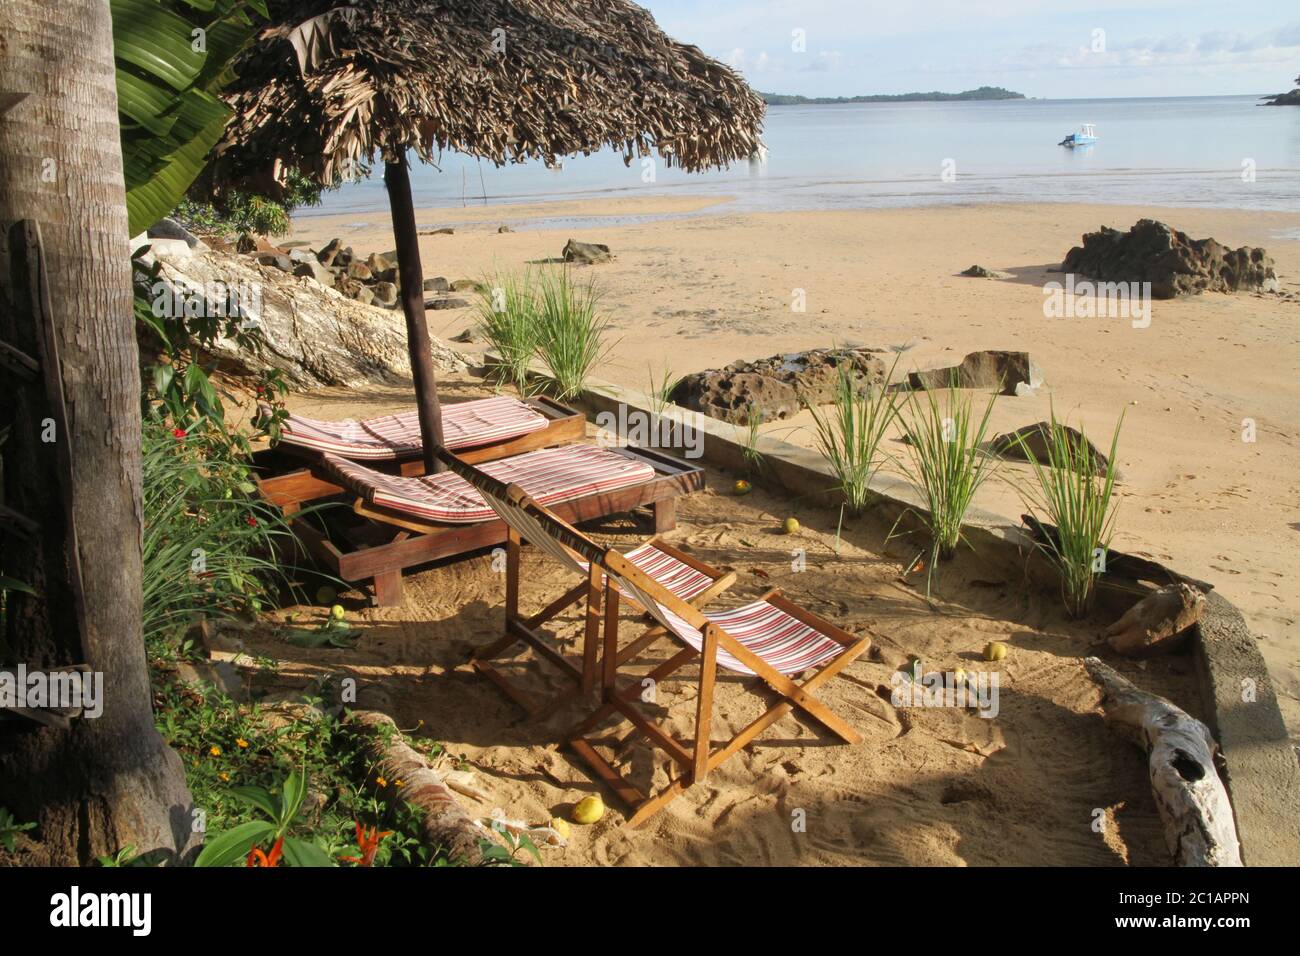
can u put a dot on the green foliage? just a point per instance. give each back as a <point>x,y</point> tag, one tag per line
<point>235,212</point>
<point>508,319</point>
<point>662,388</point>
<point>248,772</point>
<point>172,56</point>
<point>749,452</point>
<point>849,435</point>
<point>10,828</point>
<point>180,326</point>
<point>947,464</point>
<point>208,536</point>
<point>507,852</point>
<point>1067,492</point>
<point>571,333</point>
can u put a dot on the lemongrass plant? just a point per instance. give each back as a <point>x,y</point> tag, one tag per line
<point>571,332</point>
<point>946,464</point>
<point>1074,492</point>
<point>849,434</point>
<point>662,388</point>
<point>508,320</point>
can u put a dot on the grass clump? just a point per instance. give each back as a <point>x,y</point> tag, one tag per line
<point>508,320</point>
<point>947,464</point>
<point>571,333</point>
<point>849,434</point>
<point>1067,492</point>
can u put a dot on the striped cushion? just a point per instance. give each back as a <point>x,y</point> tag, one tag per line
<point>683,580</point>
<point>785,643</point>
<point>390,437</point>
<point>550,476</point>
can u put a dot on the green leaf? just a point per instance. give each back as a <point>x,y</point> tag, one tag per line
<point>150,104</point>
<point>226,848</point>
<point>295,789</point>
<point>259,798</point>
<point>156,41</point>
<point>305,853</point>
<point>12,584</point>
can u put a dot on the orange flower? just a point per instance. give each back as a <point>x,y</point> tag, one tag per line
<point>241,743</point>
<point>214,750</point>
<point>256,857</point>
<point>368,843</point>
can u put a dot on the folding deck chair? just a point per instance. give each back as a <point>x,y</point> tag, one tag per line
<point>772,639</point>
<point>686,577</point>
<point>398,521</point>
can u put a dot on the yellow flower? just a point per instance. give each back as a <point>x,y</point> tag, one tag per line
<point>381,781</point>
<point>224,777</point>
<point>214,750</point>
<point>398,783</point>
<point>241,742</point>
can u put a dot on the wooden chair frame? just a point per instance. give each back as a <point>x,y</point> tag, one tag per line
<point>526,630</point>
<point>695,759</point>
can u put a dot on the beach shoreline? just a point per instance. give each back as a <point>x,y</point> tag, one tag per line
<point>711,286</point>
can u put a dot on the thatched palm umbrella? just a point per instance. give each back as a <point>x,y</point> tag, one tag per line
<point>332,84</point>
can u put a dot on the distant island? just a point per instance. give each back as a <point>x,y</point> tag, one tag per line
<point>1289,98</point>
<point>983,93</point>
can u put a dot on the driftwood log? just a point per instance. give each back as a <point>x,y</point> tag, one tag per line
<point>1157,623</point>
<point>1192,800</point>
<point>444,824</point>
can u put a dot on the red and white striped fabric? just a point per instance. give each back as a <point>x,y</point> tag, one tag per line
<point>390,437</point>
<point>785,643</point>
<point>549,476</point>
<point>683,580</point>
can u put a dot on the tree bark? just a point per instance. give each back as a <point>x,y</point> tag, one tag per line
<point>444,825</point>
<point>107,781</point>
<point>1192,800</point>
<point>397,178</point>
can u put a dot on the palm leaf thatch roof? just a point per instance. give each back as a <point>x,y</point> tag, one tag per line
<point>334,82</point>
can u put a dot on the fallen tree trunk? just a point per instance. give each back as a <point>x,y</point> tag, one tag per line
<point>444,826</point>
<point>1192,800</point>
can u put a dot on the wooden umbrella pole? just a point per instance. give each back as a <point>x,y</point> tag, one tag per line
<point>397,178</point>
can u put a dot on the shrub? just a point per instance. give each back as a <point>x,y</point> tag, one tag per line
<point>571,332</point>
<point>849,435</point>
<point>947,464</point>
<point>508,319</point>
<point>1067,492</point>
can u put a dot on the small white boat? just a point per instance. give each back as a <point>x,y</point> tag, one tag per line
<point>1086,136</point>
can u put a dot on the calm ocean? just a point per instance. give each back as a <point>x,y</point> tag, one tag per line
<point>1195,151</point>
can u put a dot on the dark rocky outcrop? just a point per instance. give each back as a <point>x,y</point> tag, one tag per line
<point>585,252</point>
<point>1034,437</point>
<point>979,272</point>
<point>990,368</point>
<point>1171,261</point>
<point>777,387</point>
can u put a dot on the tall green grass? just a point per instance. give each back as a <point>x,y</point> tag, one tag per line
<point>571,332</point>
<point>946,464</point>
<point>662,387</point>
<point>849,434</point>
<point>209,540</point>
<point>1067,492</point>
<point>508,320</point>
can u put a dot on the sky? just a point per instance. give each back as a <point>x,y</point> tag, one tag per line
<point>1061,50</point>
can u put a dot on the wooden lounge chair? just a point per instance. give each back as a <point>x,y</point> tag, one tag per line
<point>480,429</point>
<point>399,521</point>
<point>771,639</point>
<point>684,576</point>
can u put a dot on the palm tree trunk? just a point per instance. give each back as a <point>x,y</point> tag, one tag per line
<point>107,781</point>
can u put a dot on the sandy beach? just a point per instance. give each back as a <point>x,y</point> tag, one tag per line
<point>694,287</point>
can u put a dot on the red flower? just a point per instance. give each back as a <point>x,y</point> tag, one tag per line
<point>252,522</point>
<point>258,858</point>
<point>368,843</point>
<point>178,433</point>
